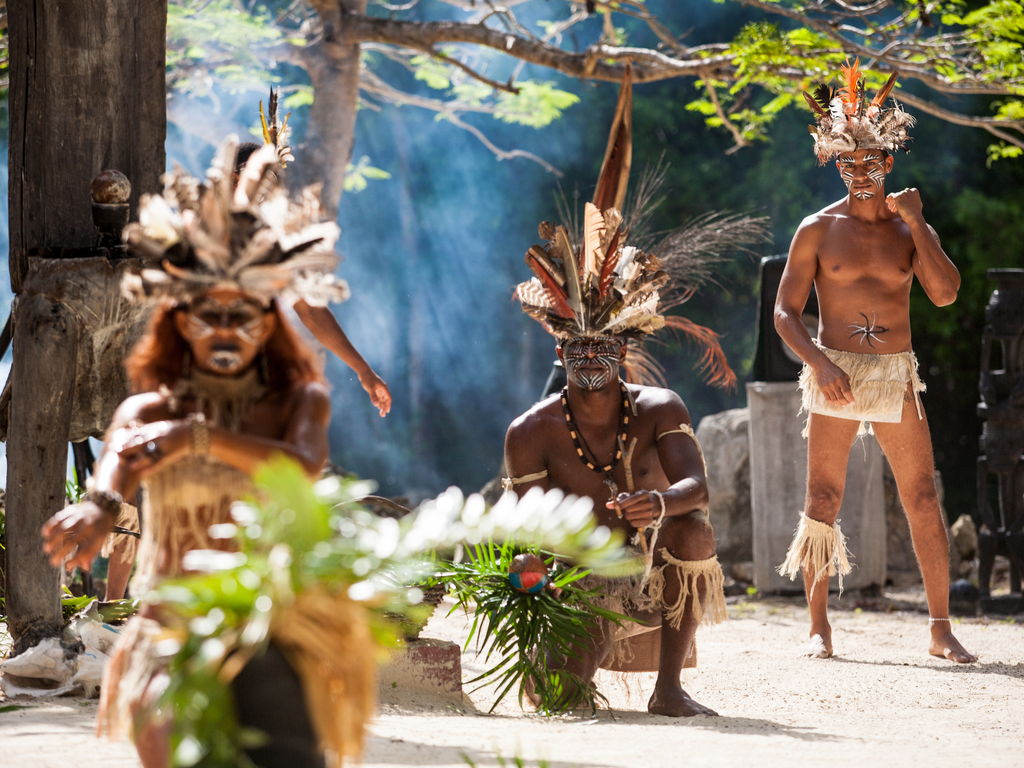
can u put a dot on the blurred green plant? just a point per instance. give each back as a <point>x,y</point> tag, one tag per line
<point>301,536</point>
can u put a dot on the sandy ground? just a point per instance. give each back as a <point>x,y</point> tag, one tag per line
<point>881,700</point>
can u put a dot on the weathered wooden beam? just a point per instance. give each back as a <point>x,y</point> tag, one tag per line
<point>43,384</point>
<point>87,94</point>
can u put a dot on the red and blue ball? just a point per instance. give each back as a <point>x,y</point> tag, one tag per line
<point>528,574</point>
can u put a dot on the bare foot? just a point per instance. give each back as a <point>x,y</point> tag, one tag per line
<point>818,647</point>
<point>676,703</point>
<point>943,644</point>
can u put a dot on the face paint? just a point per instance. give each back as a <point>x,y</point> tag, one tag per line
<point>875,167</point>
<point>242,317</point>
<point>591,363</point>
<point>225,358</point>
<point>868,331</point>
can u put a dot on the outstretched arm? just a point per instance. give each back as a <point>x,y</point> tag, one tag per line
<point>325,327</point>
<point>938,275</point>
<point>797,281</point>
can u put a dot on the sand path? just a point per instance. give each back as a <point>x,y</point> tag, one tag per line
<point>882,700</point>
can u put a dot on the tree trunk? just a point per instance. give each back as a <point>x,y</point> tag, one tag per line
<point>87,94</point>
<point>333,69</point>
<point>45,351</point>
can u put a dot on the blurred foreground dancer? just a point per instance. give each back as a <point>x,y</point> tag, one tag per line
<point>630,448</point>
<point>318,319</point>
<point>862,254</point>
<point>223,384</point>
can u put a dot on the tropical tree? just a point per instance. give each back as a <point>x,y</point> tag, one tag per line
<point>474,53</point>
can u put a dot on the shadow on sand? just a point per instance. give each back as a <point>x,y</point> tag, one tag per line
<point>746,726</point>
<point>1015,671</point>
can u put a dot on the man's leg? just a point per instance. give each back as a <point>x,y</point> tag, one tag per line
<point>688,538</point>
<point>828,450</point>
<point>119,567</point>
<point>908,447</point>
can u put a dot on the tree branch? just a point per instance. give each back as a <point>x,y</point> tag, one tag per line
<point>591,64</point>
<point>736,134</point>
<point>990,124</point>
<point>373,84</point>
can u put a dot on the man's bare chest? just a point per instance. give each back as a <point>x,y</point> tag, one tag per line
<point>855,251</point>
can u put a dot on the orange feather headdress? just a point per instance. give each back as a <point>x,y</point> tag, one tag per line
<point>847,121</point>
<point>611,280</point>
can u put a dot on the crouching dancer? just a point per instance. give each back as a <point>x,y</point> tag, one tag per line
<point>223,385</point>
<point>862,254</point>
<point>629,448</point>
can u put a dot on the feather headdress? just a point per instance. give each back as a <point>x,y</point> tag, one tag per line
<point>847,121</point>
<point>197,236</point>
<point>607,280</point>
<point>274,131</point>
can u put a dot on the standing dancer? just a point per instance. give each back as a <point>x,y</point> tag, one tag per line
<point>223,385</point>
<point>861,254</point>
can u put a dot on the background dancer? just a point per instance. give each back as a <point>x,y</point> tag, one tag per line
<point>862,254</point>
<point>629,448</point>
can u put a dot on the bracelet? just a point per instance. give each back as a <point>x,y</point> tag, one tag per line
<point>657,523</point>
<point>200,434</point>
<point>936,621</point>
<point>109,501</point>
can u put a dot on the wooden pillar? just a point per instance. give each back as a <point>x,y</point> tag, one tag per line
<point>87,94</point>
<point>45,351</point>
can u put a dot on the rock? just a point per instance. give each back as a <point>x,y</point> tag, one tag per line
<point>743,572</point>
<point>45,661</point>
<point>89,673</point>
<point>965,535</point>
<point>726,444</point>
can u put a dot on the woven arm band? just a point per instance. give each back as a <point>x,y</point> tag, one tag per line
<point>109,501</point>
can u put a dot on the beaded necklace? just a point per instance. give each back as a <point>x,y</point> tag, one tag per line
<point>577,436</point>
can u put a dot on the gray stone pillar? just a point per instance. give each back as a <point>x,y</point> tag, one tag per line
<point>778,484</point>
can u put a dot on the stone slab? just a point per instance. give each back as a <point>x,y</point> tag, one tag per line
<point>427,665</point>
<point>778,482</point>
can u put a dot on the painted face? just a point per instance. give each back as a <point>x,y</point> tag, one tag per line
<point>863,172</point>
<point>592,362</point>
<point>225,330</point>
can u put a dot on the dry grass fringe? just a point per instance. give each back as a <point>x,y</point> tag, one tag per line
<point>817,548</point>
<point>708,608</point>
<point>880,401</point>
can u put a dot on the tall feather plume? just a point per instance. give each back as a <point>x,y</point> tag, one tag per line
<point>823,94</point>
<point>618,156</point>
<point>813,104</point>
<point>883,92</point>
<point>850,91</point>
<point>547,263</point>
<point>571,270</point>
<point>555,294</point>
<point>642,368</point>
<point>712,360</point>
<point>611,260</point>
<point>593,233</point>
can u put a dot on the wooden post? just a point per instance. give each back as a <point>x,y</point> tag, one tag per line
<point>43,377</point>
<point>87,94</point>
